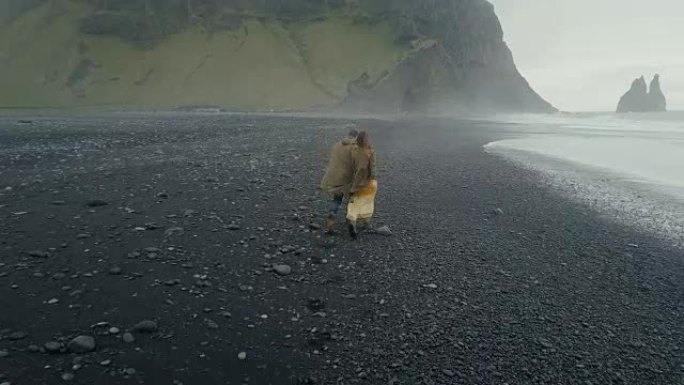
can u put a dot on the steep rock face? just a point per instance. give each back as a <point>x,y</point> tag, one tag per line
<point>640,99</point>
<point>461,67</point>
<point>364,55</point>
<point>656,98</point>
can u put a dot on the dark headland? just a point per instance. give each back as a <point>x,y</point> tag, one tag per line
<point>378,56</point>
<point>169,228</point>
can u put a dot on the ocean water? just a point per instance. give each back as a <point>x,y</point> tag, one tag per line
<point>628,167</point>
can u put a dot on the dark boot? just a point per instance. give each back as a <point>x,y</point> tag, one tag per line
<point>353,232</point>
<point>330,223</point>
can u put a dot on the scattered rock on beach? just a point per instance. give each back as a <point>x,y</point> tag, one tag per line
<point>282,269</point>
<point>39,254</point>
<point>128,338</point>
<point>16,336</point>
<point>314,226</point>
<point>146,326</point>
<point>384,230</point>
<point>82,344</point>
<point>173,230</point>
<point>53,347</point>
<point>315,304</point>
<point>97,203</point>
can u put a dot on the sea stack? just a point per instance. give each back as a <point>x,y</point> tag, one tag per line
<point>656,98</point>
<point>640,99</point>
<point>636,99</point>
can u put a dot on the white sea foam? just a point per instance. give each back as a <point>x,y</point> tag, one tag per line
<point>630,167</point>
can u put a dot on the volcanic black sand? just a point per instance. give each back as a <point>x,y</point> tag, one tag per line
<point>178,220</point>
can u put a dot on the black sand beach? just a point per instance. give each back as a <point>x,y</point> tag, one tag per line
<point>189,213</point>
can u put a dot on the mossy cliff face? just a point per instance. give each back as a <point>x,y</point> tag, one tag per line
<point>255,55</point>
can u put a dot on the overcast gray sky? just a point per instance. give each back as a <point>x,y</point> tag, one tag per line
<point>582,55</point>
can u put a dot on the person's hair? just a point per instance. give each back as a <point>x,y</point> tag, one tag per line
<point>363,141</point>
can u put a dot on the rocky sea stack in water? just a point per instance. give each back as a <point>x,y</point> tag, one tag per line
<point>639,98</point>
<point>360,55</point>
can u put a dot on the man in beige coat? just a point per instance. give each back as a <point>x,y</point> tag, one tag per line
<point>339,176</point>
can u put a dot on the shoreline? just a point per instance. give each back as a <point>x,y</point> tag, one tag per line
<point>544,291</point>
<point>644,205</point>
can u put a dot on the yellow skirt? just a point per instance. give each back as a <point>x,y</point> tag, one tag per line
<point>362,205</point>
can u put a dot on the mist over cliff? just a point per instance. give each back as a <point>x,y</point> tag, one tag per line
<point>365,55</point>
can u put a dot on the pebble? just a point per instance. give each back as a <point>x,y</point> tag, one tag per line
<point>130,371</point>
<point>39,254</point>
<point>242,356</point>
<point>315,304</point>
<point>3,354</point>
<point>67,376</point>
<point>97,203</point>
<point>106,362</point>
<point>128,338</point>
<point>115,271</point>
<point>146,326</point>
<point>233,227</point>
<point>82,344</point>
<point>315,226</point>
<point>448,373</point>
<point>498,211</point>
<point>384,230</point>
<point>114,330</point>
<point>53,347</point>
<point>172,231</point>
<point>282,269</point>
<point>430,286</point>
<point>16,336</point>
<point>53,301</point>
<point>546,344</point>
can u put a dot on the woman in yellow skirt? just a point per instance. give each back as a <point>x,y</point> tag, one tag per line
<point>364,185</point>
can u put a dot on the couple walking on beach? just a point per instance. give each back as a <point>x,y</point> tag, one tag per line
<point>351,174</point>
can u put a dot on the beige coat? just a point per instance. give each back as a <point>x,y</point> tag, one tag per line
<point>363,164</point>
<point>338,176</point>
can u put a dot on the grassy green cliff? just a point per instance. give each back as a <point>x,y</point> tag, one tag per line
<point>46,62</point>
